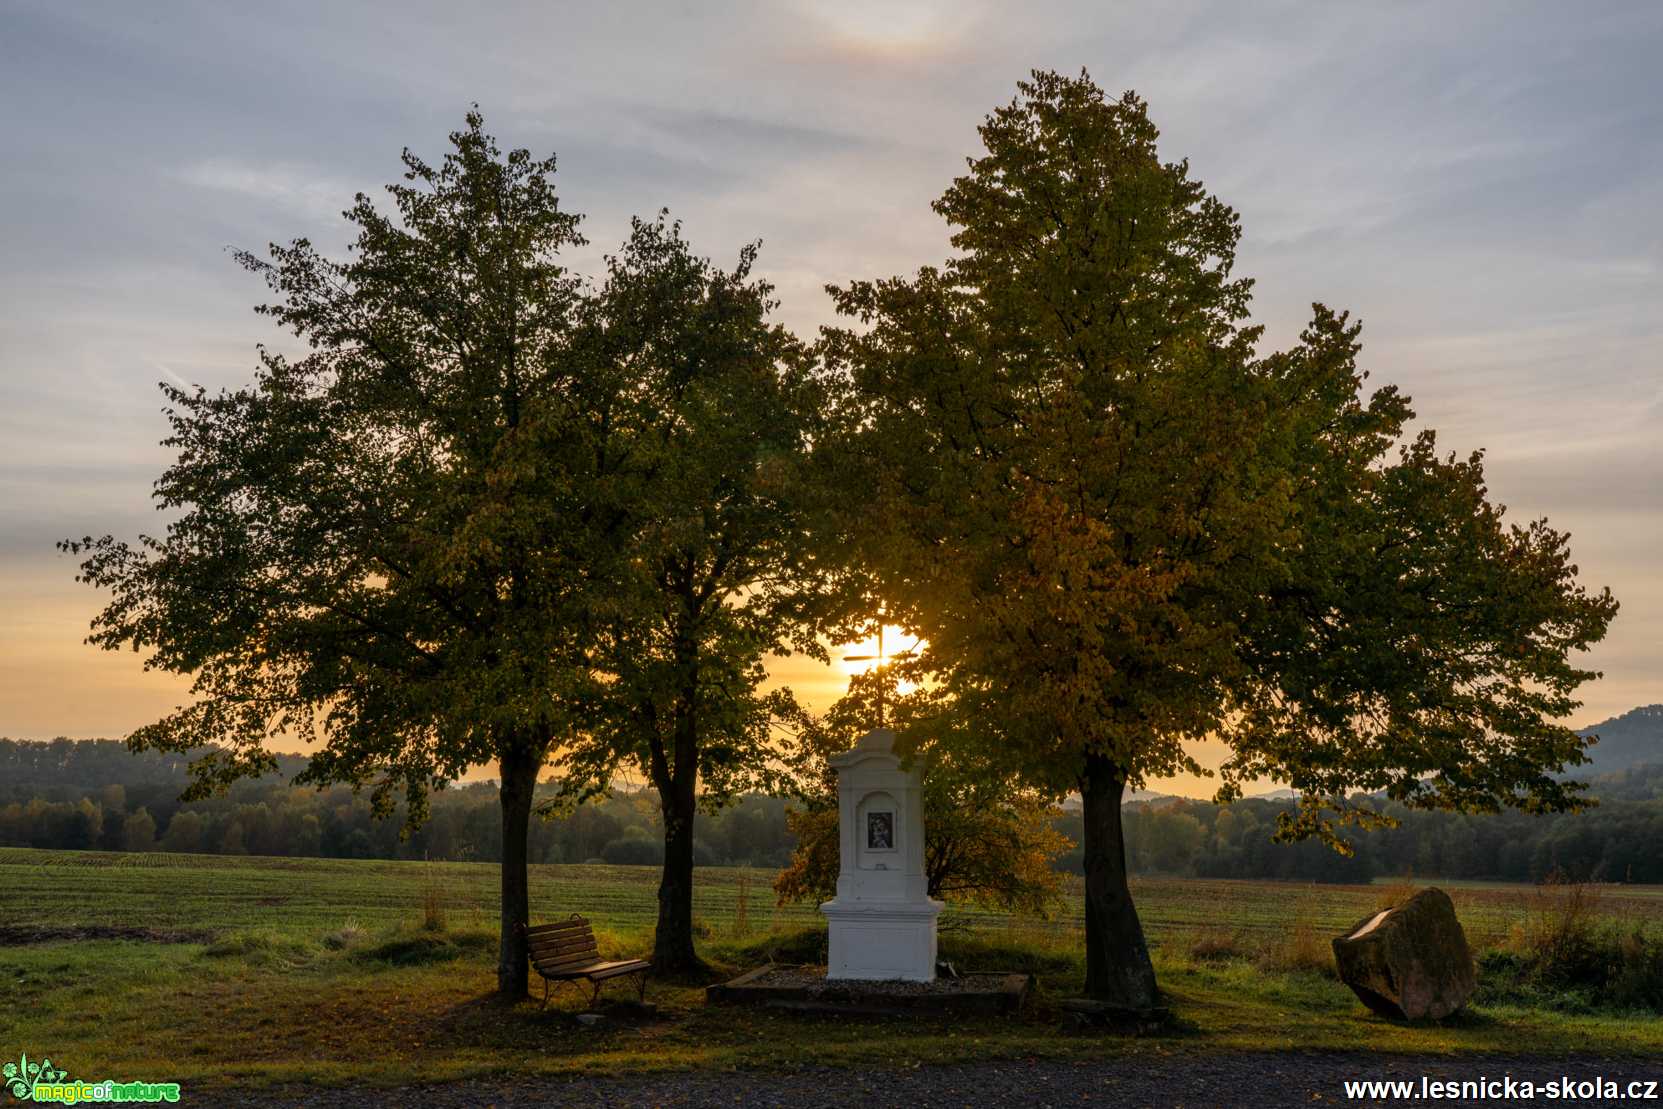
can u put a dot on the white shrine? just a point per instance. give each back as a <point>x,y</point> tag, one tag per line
<point>882,921</point>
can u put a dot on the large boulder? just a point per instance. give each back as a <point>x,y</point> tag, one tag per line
<point>1411,962</point>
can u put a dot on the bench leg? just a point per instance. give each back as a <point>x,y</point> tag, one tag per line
<point>640,987</point>
<point>545,993</point>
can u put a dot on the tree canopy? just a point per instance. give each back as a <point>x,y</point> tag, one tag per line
<point>399,543</point>
<point>723,560</point>
<point>1121,530</point>
<point>495,514</point>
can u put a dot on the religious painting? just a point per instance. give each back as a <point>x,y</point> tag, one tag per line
<point>880,831</point>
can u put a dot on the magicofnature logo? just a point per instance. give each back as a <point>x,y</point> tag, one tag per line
<point>42,1082</point>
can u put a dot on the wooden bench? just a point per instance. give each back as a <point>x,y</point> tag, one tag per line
<point>566,952</point>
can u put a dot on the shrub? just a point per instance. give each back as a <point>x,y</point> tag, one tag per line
<point>344,937</point>
<point>414,951</point>
<point>258,946</point>
<point>1300,949</point>
<point>1638,981</point>
<point>1561,932</point>
<point>1215,943</point>
<point>1395,893</point>
<point>1566,957</point>
<point>433,900</point>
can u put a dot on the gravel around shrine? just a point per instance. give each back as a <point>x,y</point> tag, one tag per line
<point>814,980</point>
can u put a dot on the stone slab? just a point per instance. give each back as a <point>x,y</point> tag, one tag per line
<point>974,993</point>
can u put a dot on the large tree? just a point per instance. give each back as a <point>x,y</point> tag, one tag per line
<point>726,567</point>
<point>399,543</point>
<point>1120,530</point>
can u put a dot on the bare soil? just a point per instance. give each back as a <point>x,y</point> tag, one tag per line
<point>18,935</point>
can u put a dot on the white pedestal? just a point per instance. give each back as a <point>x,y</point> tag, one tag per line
<point>882,921</point>
<point>881,940</point>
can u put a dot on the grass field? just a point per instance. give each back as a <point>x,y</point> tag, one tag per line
<point>328,971</point>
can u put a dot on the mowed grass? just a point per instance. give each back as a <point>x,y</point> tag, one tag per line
<point>328,971</point>
<point>226,892</point>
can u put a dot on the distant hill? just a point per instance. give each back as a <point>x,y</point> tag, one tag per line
<point>1633,739</point>
<point>68,769</point>
<point>1072,802</point>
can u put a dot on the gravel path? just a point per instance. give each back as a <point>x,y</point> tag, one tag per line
<point>1193,1080</point>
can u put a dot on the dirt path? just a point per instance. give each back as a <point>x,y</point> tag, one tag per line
<point>1188,1080</point>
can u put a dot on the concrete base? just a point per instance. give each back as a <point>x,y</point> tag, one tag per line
<point>881,940</point>
<point>800,990</point>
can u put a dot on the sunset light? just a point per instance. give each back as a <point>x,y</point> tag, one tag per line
<point>876,650</point>
<point>441,442</point>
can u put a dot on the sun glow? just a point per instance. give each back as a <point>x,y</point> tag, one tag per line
<point>882,28</point>
<point>875,650</point>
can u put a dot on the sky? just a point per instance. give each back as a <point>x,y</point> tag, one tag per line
<point>1478,182</point>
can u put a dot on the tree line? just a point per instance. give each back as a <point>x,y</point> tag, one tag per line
<point>96,795</point>
<point>496,512</point>
<point>1620,840</point>
<point>271,819</point>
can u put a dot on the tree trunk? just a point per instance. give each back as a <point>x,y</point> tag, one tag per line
<point>519,768</point>
<point>673,941</point>
<point>676,774</point>
<point>673,951</point>
<point>1118,969</point>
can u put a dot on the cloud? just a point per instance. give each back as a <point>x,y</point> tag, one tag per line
<point>171,376</point>
<point>300,190</point>
<point>1477,181</point>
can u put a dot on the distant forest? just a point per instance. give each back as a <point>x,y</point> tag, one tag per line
<point>96,795</point>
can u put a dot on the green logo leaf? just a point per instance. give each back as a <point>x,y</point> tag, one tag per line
<point>21,1076</point>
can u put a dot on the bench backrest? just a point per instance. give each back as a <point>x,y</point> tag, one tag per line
<point>566,945</point>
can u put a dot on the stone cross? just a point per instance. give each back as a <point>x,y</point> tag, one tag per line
<point>880,658</point>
